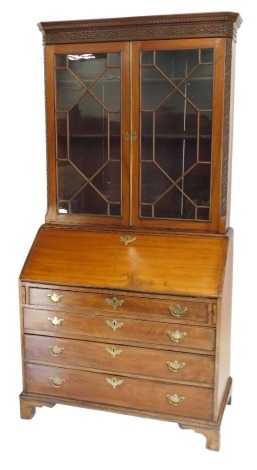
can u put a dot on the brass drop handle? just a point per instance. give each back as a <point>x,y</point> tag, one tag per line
<point>55,350</point>
<point>113,351</point>
<point>175,366</point>
<point>177,310</point>
<point>175,399</point>
<point>55,298</point>
<point>114,382</point>
<point>114,302</point>
<point>176,335</point>
<point>114,324</point>
<point>56,321</point>
<point>56,381</point>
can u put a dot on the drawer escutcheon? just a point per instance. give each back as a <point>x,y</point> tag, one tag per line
<point>114,324</point>
<point>114,382</point>
<point>114,302</point>
<point>113,351</point>
<point>127,239</point>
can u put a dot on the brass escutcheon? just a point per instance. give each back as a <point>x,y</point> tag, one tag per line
<point>114,302</point>
<point>177,310</point>
<point>114,382</point>
<point>113,351</point>
<point>127,239</point>
<point>114,324</point>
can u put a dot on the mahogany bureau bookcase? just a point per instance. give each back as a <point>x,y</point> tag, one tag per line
<point>126,292</point>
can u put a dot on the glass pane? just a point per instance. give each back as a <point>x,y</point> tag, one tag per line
<point>147,58</point>
<point>96,151</point>
<point>107,89</point>
<point>68,90</point>
<point>115,209</point>
<point>155,182</point>
<point>115,132</point>
<point>87,67</point>
<point>154,88</point>
<point>88,201</point>
<point>176,65</point>
<point>107,182</point>
<point>113,59</point>
<point>196,184</point>
<point>61,60</point>
<point>61,125</point>
<point>175,205</point>
<point>176,117</point>
<point>198,88</point>
<point>176,134</point>
<point>69,180</point>
<point>88,123</point>
<point>207,55</point>
<point>147,136</point>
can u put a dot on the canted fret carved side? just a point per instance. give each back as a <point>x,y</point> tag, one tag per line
<point>226,129</point>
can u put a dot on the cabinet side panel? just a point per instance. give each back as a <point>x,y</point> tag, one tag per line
<point>22,299</point>
<point>224,332</point>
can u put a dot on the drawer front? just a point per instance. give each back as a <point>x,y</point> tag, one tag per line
<point>119,329</point>
<point>120,391</point>
<point>168,365</point>
<point>173,308</point>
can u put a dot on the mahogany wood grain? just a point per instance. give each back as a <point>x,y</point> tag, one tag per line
<point>147,307</point>
<point>136,393</point>
<point>144,362</point>
<point>132,331</point>
<point>170,264</point>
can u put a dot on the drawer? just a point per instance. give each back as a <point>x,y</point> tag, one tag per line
<point>168,365</point>
<point>119,329</point>
<point>167,399</point>
<point>173,308</point>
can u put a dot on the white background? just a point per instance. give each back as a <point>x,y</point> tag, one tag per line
<point>67,437</point>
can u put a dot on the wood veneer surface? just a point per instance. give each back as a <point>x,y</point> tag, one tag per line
<point>190,265</point>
